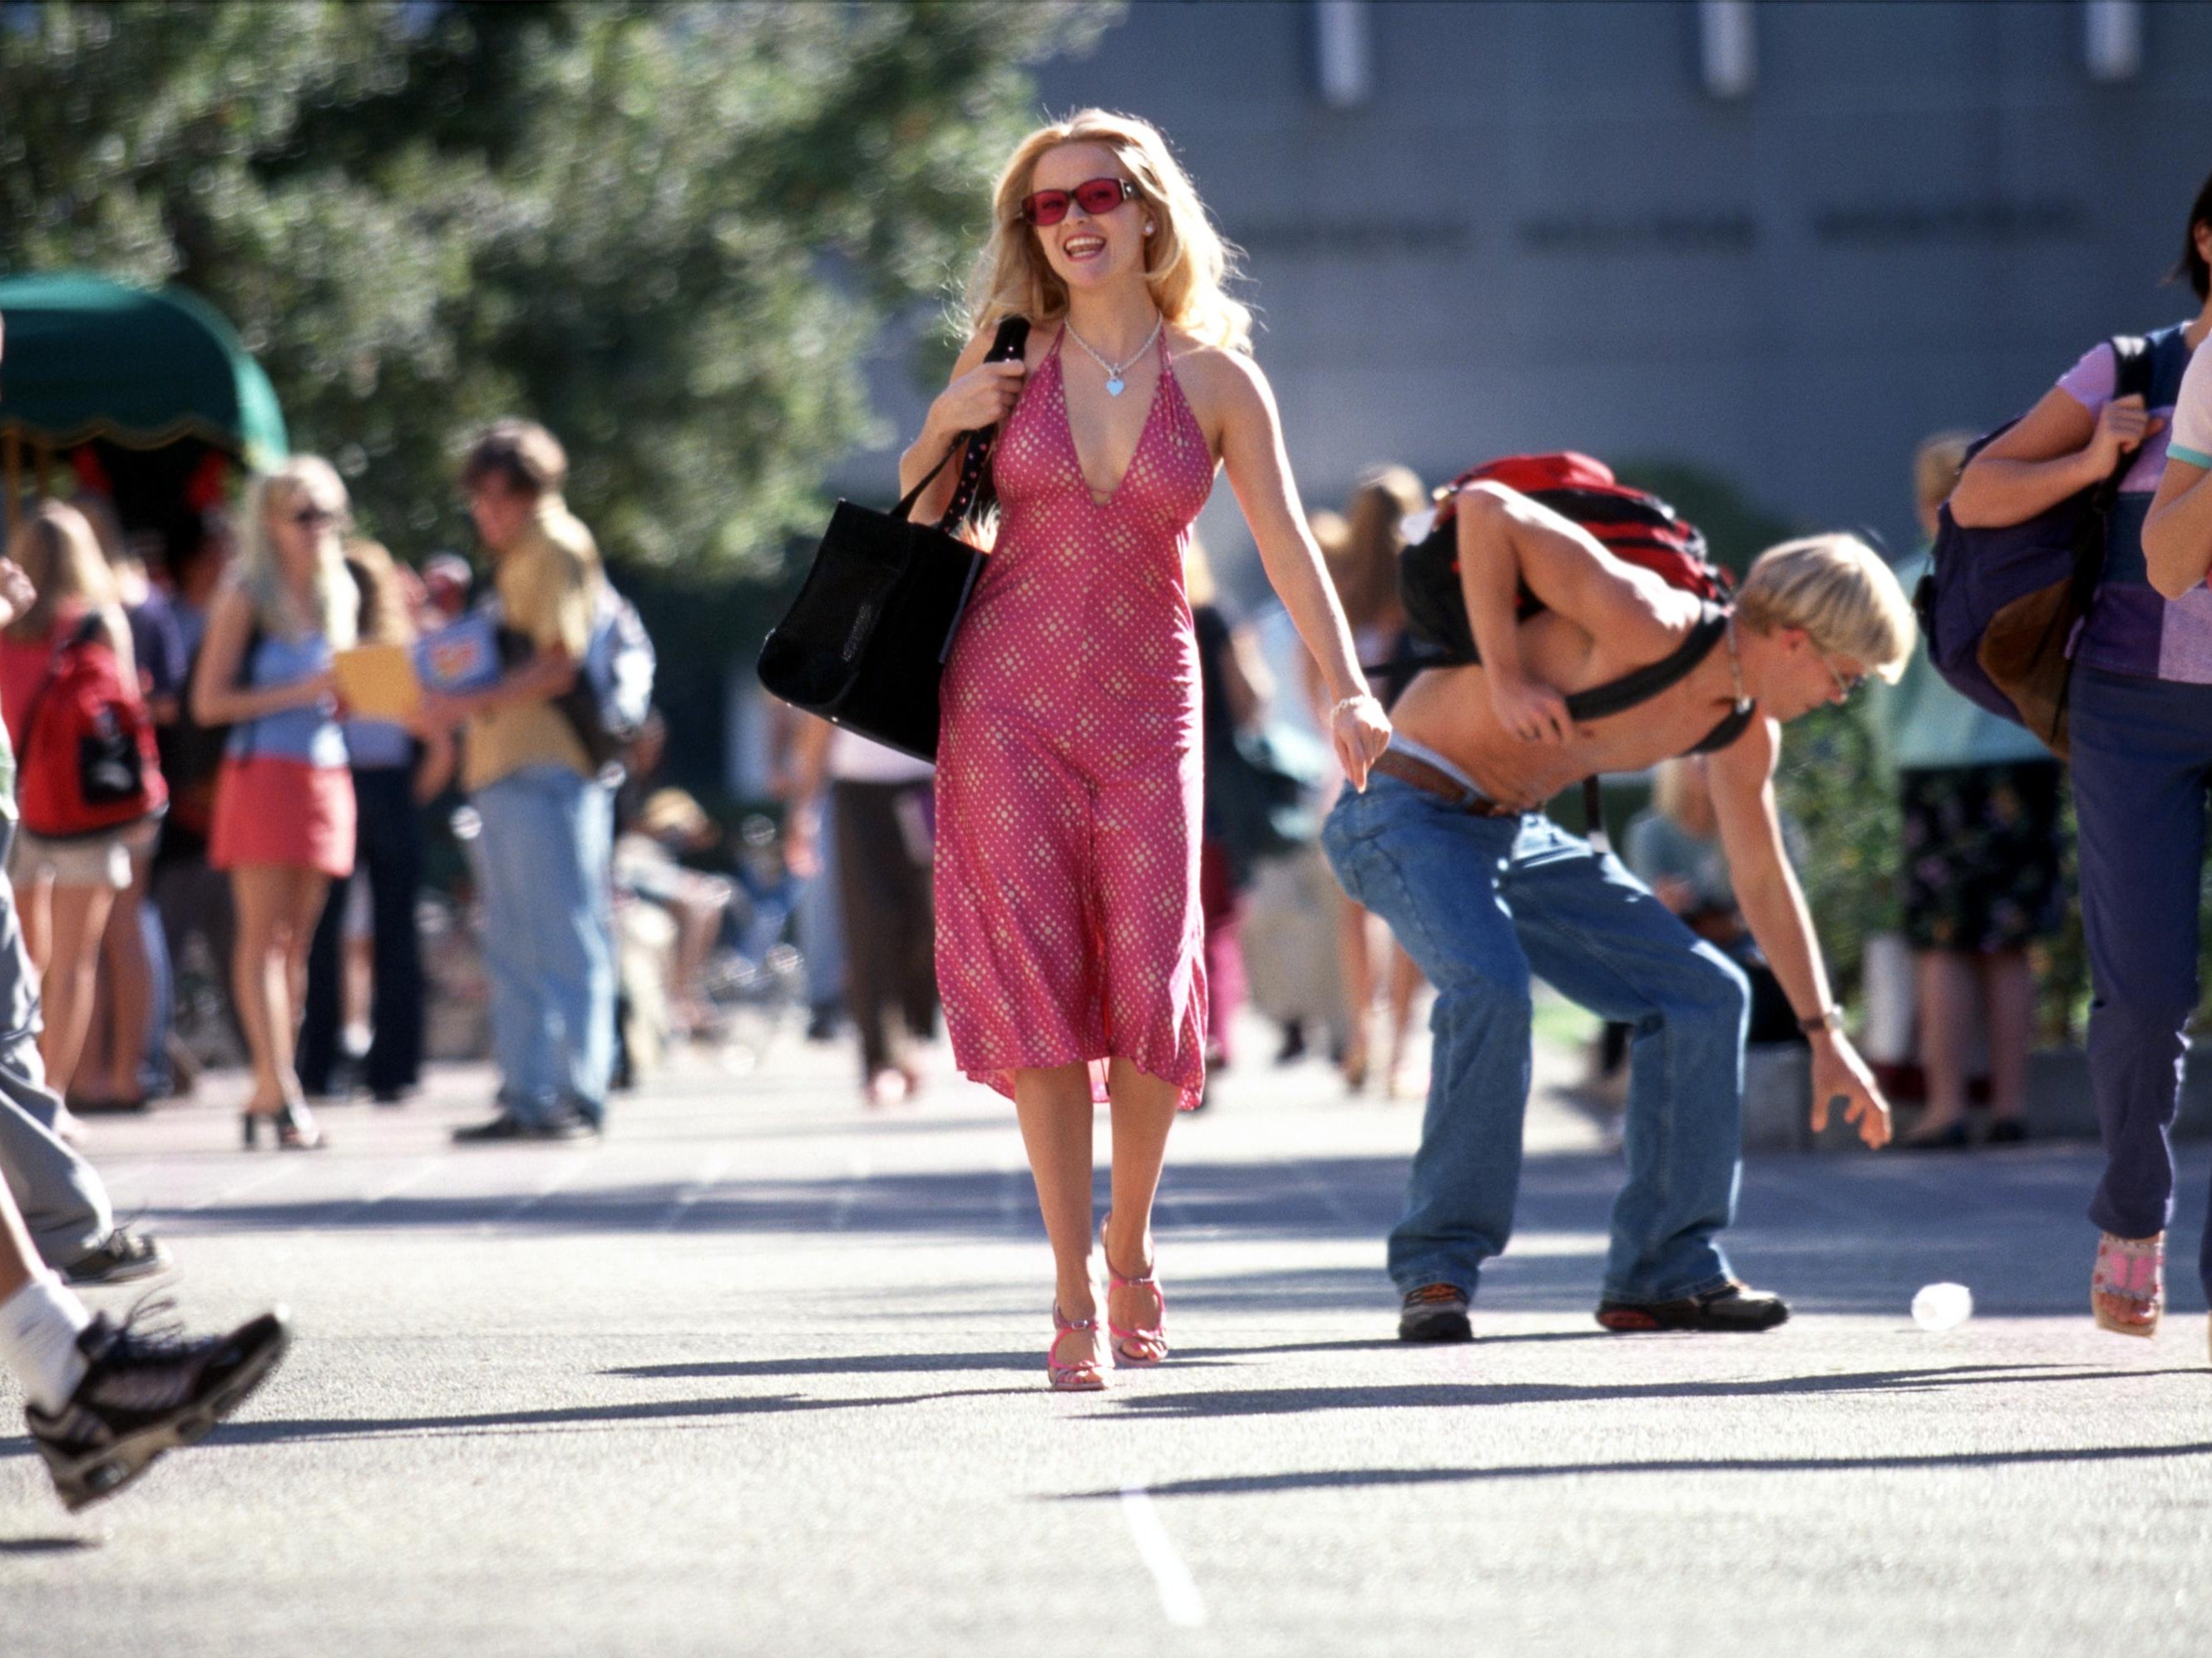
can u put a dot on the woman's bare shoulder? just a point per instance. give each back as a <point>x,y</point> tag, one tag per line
<point>1216,366</point>
<point>1223,387</point>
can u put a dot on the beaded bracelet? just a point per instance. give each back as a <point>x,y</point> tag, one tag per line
<point>1344,702</point>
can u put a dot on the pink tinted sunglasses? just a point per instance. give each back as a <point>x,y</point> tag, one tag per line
<point>1093,195</point>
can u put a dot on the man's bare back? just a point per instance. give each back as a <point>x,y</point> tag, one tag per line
<point>1450,710</point>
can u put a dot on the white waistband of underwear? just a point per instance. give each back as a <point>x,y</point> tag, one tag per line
<point>1429,757</point>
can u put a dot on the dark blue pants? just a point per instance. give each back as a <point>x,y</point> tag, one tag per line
<point>389,852</point>
<point>2143,770</point>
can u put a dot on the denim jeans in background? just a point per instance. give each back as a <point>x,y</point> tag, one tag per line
<point>1481,904</point>
<point>543,863</point>
<point>2142,760</point>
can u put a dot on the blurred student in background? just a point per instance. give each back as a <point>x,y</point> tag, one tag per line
<point>395,773</point>
<point>1980,861</point>
<point>66,886</point>
<point>1365,572</point>
<point>284,811</point>
<point>881,855</point>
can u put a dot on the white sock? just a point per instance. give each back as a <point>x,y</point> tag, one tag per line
<point>38,1328</point>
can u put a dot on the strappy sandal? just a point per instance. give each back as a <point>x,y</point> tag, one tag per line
<point>2127,1287</point>
<point>1140,1347</point>
<point>1085,1375</point>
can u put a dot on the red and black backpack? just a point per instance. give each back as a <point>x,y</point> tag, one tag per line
<point>1633,525</point>
<point>88,764</point>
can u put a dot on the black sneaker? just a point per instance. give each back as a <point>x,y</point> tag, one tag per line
<point>146,1393</point>
<point>504,1127</point>
<point>1435,1312</point>
<point>1731,1306</point>
<point>122,1257</point>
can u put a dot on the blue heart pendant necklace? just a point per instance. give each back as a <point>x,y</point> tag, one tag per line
<point>1115,384</point>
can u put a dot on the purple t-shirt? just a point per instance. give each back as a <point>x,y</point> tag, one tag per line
<point>2132,629</point>
<point>2091,382</point>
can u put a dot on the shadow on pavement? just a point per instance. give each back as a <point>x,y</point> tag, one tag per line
<point>277,1432</point>
<point>869,1365</point>
<point>1285,1401</point>
<point>1835,1234</point>
<point>1326,1479</point>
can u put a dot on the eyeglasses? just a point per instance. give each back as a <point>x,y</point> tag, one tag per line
<point>1093,195</point>
<point>1845,686</point>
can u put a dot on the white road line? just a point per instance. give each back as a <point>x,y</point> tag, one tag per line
<point>860,1169</point>
<point>572,1167</point>
<point>255,1184</point>
<point>709,1173</point>
<point>392,1188</point>
<point>1179,1597</point>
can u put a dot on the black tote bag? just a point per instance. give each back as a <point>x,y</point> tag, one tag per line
<point>865,643</point>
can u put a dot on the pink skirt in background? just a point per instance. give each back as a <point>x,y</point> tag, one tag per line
<point>273,811</point>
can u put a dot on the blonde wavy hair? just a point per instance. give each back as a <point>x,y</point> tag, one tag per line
<point>1187,265</point>
<point>334,599</point>
<point>1366,575</point>
<point>58,547</point>
<point>1837,589</point>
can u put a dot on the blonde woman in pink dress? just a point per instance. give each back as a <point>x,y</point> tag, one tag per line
<point>1070,946</point>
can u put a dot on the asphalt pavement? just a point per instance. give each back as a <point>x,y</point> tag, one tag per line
<point>763,1373</point>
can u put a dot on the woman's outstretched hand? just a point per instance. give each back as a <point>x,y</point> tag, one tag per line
<point>1361,730</point>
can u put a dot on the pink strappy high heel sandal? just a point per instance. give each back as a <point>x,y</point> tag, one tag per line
<point>1086,1376</point>
<point>1140,1347</point>
<point>2127,1288</point>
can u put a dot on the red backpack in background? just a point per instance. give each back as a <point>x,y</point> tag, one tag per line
<point>1633,525</point>
<point>88,764</point>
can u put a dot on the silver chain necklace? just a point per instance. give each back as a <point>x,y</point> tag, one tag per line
<point>1115,384</point>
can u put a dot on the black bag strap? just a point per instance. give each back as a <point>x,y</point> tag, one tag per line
<point>1640,685</point>
<point>1011,341</point>
<point>2131,378</point>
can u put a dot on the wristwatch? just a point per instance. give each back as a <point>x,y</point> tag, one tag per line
<point>1829,1019</point>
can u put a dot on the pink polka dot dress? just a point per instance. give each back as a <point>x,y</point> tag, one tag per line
<point>1069,764</point>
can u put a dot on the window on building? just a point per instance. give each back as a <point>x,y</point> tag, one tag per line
<point>2111,38</point>
<point>1344,53</point>
<point>1727,47</point>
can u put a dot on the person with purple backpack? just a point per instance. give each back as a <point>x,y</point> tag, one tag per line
<point>2138,715</point>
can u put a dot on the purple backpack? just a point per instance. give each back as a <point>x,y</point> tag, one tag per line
<point>2000,607</point>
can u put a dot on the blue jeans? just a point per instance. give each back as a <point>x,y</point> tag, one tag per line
<point>2142,751</point>
<point>543,863</point>
<point>1481,904</point>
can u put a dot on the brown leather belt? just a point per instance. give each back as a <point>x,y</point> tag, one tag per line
<point>1431,780</point>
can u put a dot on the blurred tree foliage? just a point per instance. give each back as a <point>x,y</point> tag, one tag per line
<point>669,232</point>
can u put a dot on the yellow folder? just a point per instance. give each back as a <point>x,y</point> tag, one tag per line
<point>378,682</point>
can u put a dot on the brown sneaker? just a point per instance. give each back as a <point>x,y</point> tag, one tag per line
<point>1435,1312</point>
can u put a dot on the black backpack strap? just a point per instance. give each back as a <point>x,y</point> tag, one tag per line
<point>2132,365</point>
<point>1640,685</point>
<point>2132,368</point>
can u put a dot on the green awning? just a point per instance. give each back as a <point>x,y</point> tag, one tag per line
<point>84,357</point>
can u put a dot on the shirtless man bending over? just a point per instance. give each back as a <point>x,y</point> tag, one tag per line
<point>1451,846</point>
